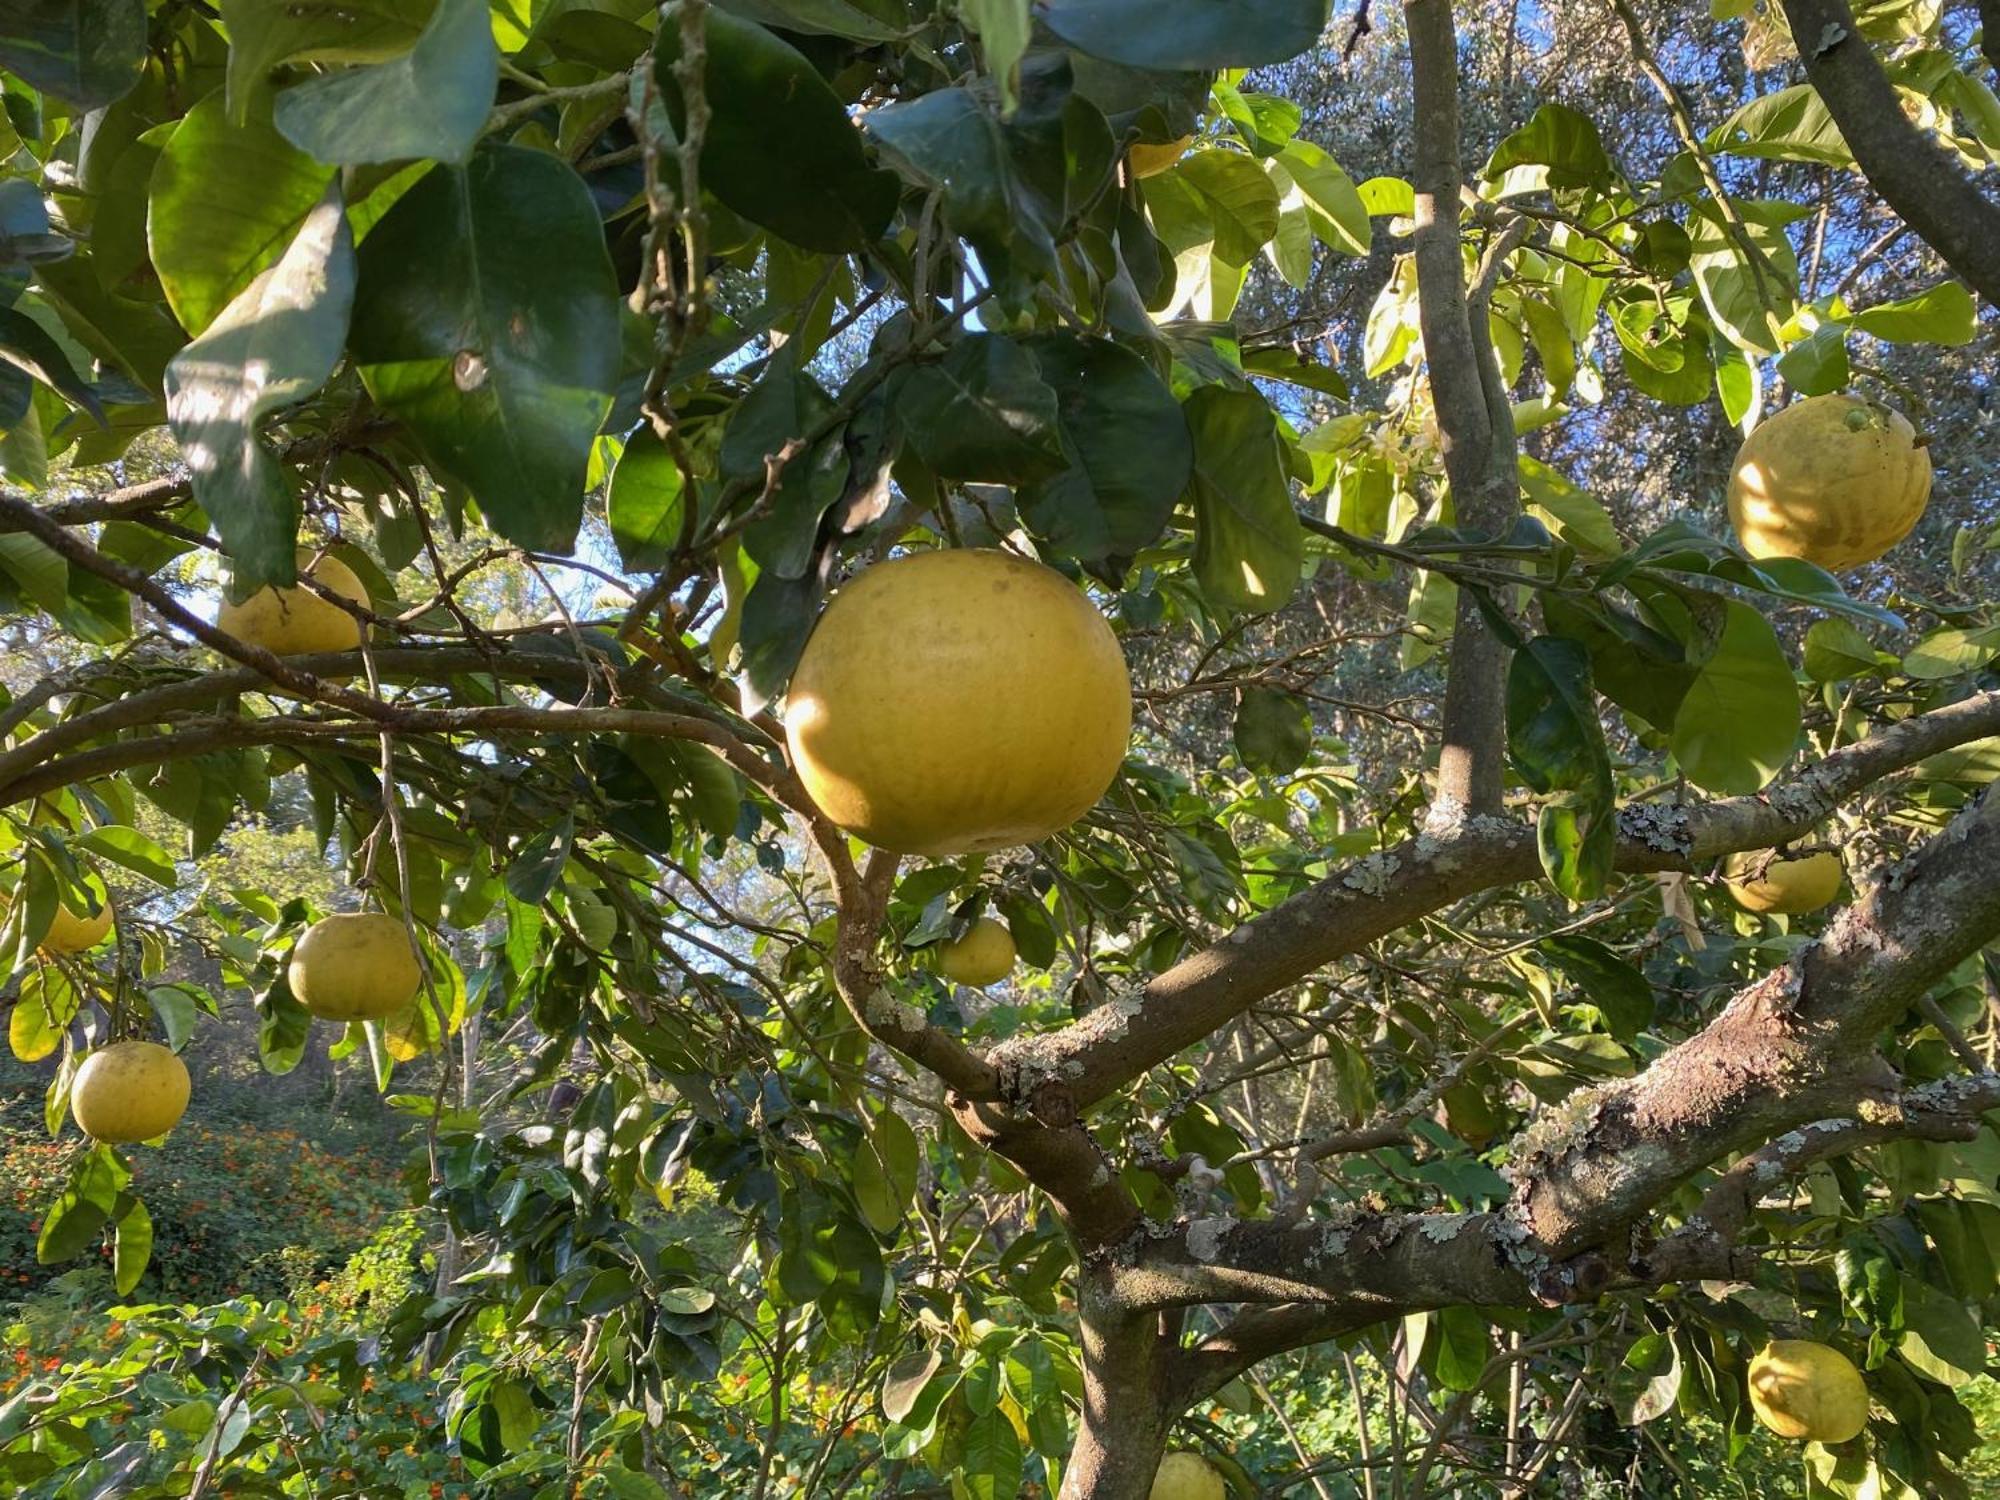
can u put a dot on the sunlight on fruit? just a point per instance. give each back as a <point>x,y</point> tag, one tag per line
<point>983,956</point>
<point>129,1091</point>
<point>296,621</point>
<point>1758,881</point>
<point>1805,1390</point>
<point>355,966</point>
<point>1835,480</point>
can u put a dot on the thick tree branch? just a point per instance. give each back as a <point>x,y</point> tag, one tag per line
<point>1916,176</point>
<point>1142,1027</point>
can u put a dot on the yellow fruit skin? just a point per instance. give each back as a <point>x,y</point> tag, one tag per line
<point>985,955</point>
<point>1789,887</point>
<point>1188,1476</point>
<point>1149,160</point>
<point>129,1091</point>
<point>355,966</point>
<point>1833,479</point>
<point>956,701</point>
<point>296,621</point>
<point>73,932</point>
<point>1800,1389</point>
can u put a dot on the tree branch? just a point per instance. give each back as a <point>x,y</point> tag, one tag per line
<point>1141,1027</point>
<point>1921,181</point>
<point>1475,421</point>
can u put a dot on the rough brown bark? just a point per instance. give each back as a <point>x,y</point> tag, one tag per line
<point>1916,177</point>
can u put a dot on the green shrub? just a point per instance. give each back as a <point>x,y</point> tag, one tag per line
<point>235,1212</point>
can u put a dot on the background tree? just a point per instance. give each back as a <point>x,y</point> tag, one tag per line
<point>1390,1014</point>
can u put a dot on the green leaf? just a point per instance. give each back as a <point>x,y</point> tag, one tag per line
<point>35,568</point>
<point>948,143</point>
<point>1572,513</point>
<point>1273,730</point>
<point>991,1467</point>
<point>1125,444</point>
<point>1239,198</point>
<point>28,347</point>
<point>133,850</point>
<point>1835,651</point>
<point>857,20</point>
<point>431,102</point>
<point>87,1201</point>
<point>275,344</point>
<point>1649,1379</point>
<point>1460,1348</point>
<point>1554,737</point>
<point>983,412</point>
<point>1792,124</point>
<point>265,33</point>
<point>1004,27</point>
<point>1941,1338</point>
<point>905,1381</point>
<point>486,317</point>
<point>1618,990</point>
<point>539,865</point>
<point>1183,35</point>
<point>1817,364</point>
<point>1951,652</point>
<point>132,1244</point>
<point>84,52</point>
<point>1943,314</point>
<point>174,1005</point>
<point>885,1172</point>
<point>45,1006</point>
<point>1249,546</point>
<point>780,148</point>
<point>1338,216</point>
<point>224,203</point>
<point>1561,139</point>
<point>646,504</point>
<point>1739,722</point>
<point>1749,303</point>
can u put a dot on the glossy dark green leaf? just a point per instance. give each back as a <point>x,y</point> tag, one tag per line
<point>486,317</point>
<point>1126,445</point>
<point>539,866</point>
<point>983,412</point>
<point>947,142</point>
<point>1249,546</point>
<point>1170,35</point>
<point>1239,198</point>
<point>1553,735</point>
<point>275,344</point>
<point>137,338</point>
<point>1273,730</point>
<point>857,20</point>
<point>28,347</point>
<point>796,477</point>
<point>780,149</point>
<point>84,52</point>
<point>223,204</point>
<point>431,102</point>
<point>1618,990</point>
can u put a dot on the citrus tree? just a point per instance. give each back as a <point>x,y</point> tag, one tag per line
<point>1601,1024</point>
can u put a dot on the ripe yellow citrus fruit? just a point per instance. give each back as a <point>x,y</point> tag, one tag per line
<point>1147,159</point>
<point>985,955</point>
<point>1800,1389</point>
<point>74,931</point>
<point>296,621</point>
<point>355,966</point>
<point>129,1091</point>
<point>1759,881</point>
<point>1837,480</point>
<point>956,701</point>
<point>1188,1476</point>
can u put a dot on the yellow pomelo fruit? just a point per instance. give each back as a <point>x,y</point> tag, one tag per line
<point>1837,480</point>
<point>129,1091</point>
<point>1188,1476</point>
<point>74,931</point>
<point>1800,1389</point>
<point>355,966</point>
<point>296,621</point>
<point>985,955</point>
<point>1147,159</point>
<point>956,701</point>
<point>1790,887</point>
